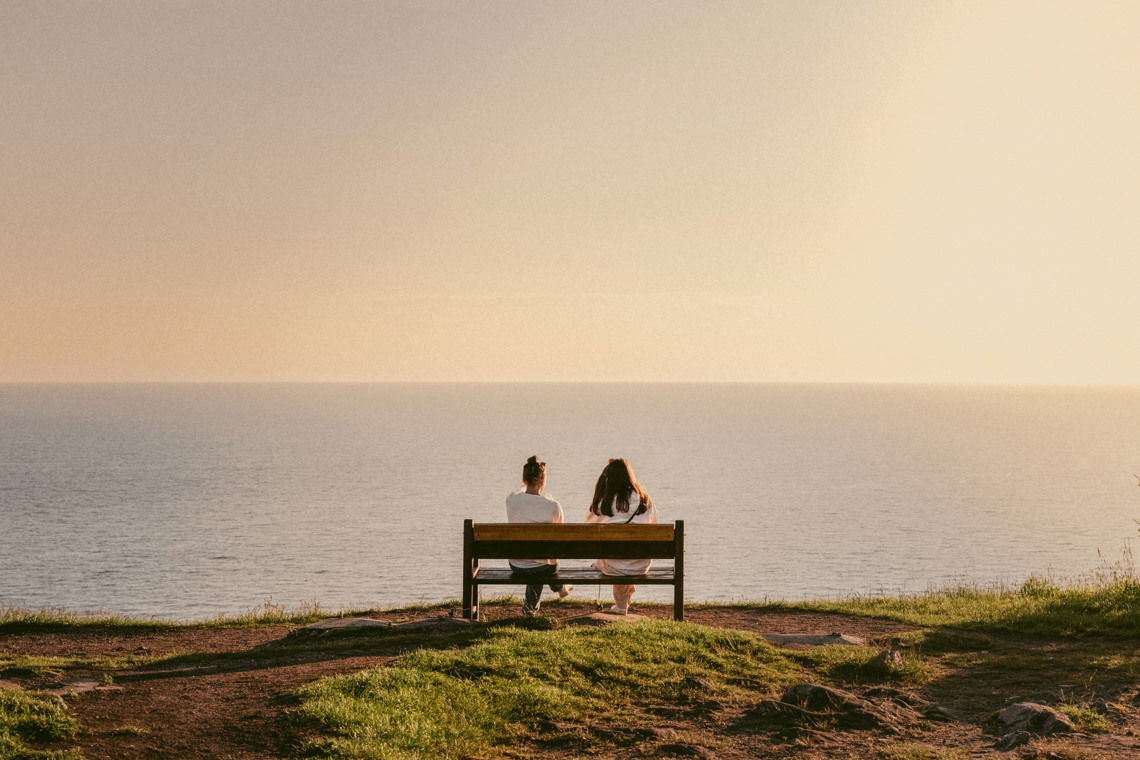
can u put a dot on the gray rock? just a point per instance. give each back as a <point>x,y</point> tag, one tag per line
<point>1011,740</point>
<point>80,686</point>
<point>887,659</point>
<point>340,624</point>
<point>816,697</point>
<point>814,639</point>
<point>1035,718</point>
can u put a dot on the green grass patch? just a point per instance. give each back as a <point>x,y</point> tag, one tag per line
<point>107,662</point>
<point>1037,607</point>
<point>459,702</point>
<point>28,717</point>
<point>1085,718</point>
<point>864,665</point>
<point>940,641</point>
<point>267,614</point>
<point>129,731</point>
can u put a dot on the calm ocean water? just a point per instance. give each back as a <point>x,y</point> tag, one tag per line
<point>188,501</point>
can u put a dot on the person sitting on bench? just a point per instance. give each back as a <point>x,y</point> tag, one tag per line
<point>527,504</point>
<point>619,498</point>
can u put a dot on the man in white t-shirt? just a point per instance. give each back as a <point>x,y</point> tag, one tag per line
<point>529,505</point>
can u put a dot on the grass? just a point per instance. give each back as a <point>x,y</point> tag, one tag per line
<point>129,731</point>
<point>1085,718</point>
<point>28,717</point>
<point>852,664</point>
<point>106,662</point>
<point>460,702</point>
<point>14,620</point>
<point>1037,607</point>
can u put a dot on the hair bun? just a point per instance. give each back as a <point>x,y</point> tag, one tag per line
<point>532,460</point>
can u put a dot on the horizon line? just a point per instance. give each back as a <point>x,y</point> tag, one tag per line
<point>1001,383</point>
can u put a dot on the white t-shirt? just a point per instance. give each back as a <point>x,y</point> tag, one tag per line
<point>625,566</point>
<point>523,507</point>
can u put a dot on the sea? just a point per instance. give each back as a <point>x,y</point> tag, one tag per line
<point>190,501</point>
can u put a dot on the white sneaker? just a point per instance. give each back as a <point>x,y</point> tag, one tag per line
<point>615,610</point>
<point>565,591</point>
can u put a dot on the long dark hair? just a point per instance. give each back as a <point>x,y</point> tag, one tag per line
<point>614,486</point>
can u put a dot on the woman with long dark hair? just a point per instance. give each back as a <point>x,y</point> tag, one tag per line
<point>620,499</point>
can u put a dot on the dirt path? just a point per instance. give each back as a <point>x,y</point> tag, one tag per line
<point>232,708</point>
<point>230,703</point>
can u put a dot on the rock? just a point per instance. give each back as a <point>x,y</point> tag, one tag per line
<point>888,659</point>
<point>340,624</point>
<point>815,697</point>
<point>1034,718</point>
<point>79,686</point>
<point>814,639</point>
<point>895,695</point>
<point>1011,740</point>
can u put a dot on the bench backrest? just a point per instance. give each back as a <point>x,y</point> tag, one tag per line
<point>573,541</point>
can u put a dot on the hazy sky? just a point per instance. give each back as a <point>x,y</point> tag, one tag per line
<point>772,191</point>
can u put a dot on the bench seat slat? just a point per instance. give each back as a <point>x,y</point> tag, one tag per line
<point>571,532</point>
<point>582,575</point>
<point>567,549</point>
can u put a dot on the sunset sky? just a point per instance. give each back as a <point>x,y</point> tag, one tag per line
<point>611,191</point>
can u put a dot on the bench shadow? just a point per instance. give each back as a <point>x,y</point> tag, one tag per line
<point>298,648</point>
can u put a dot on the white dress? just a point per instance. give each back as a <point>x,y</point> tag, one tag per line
<point>625,566</point>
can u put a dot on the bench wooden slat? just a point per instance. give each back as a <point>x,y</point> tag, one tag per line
<point>504,577</point>
<point>574,549</point>
<point>571,532</point>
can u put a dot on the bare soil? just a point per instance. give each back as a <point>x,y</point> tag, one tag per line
<point>228,701</point>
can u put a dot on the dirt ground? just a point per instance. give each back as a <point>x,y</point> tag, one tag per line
<point>232,706</point>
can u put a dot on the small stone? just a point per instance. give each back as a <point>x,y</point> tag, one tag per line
<point>1035,718</point>
<point>340,624</point>
<point>1011,740</point>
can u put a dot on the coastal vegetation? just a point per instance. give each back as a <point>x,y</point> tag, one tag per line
<point>1037,606</point>
<point>551,687</point>
<point>26,717</point>
<point>453,703</point>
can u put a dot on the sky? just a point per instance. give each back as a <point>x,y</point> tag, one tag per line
<point>822,191</point>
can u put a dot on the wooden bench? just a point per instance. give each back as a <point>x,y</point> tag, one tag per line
<point>572,541</point>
